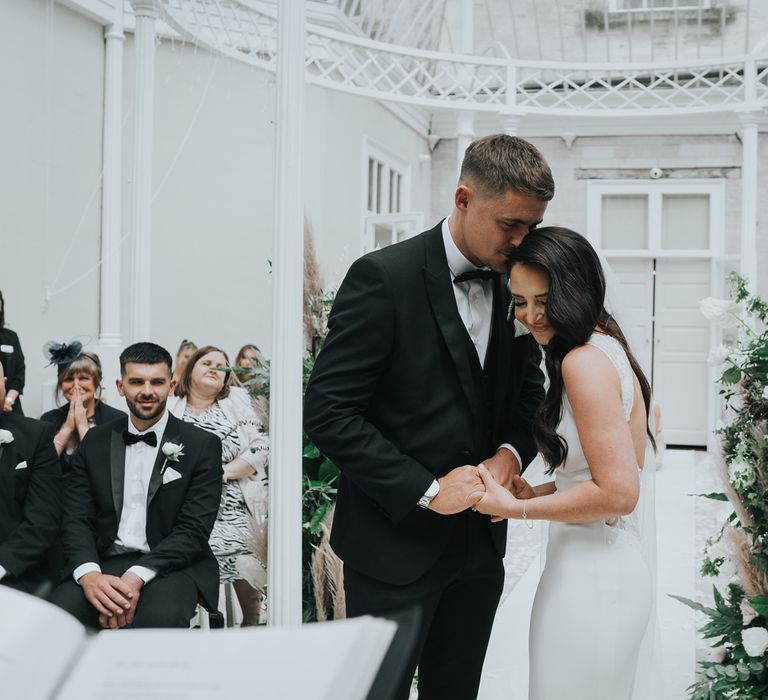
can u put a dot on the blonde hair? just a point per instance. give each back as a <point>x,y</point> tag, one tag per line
<point>87,363</point>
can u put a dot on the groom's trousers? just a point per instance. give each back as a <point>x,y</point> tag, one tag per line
<point>458,597</point>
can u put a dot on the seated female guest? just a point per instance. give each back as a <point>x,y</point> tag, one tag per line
<point>79,382</point>
<point>186,350</point>
<point>205,398</point>
<point>12,362</point>
<point>254,376</point>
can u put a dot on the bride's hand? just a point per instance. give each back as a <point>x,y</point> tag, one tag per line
<point>521,488</point>
<point>497,501</point>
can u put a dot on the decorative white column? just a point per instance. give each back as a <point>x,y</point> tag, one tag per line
<point>111,185</point>
<point>465,134</point>
<point>749,118</point>
<point>285,413</point>
<point>748,264</point>
<point>510,123</point>
<point>144,100</point>
<point>465,121</point>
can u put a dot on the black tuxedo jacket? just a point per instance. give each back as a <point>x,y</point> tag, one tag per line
<point>392,402</point>
<point>31,497</point>
<point>180,513</point>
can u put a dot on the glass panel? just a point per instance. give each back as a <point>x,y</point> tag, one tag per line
<point>399,186</point>
<point>382,235</point>
<point>685,221</point>
<point>379,172</point>
<point>625,222</point>
<point>392,199</point>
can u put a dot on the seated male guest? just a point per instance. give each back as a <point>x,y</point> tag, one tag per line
<point>31,499</point>
<point>141,501</point>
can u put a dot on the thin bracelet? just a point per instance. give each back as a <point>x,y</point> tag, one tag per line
<point>527,522</point>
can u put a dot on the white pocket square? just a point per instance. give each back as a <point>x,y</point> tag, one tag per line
<point>169,475</point>
<point>21,465</point>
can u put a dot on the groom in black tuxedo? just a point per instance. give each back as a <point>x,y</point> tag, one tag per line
<point>31,499</point>
<point>420,379</point>
<point>141,502</point>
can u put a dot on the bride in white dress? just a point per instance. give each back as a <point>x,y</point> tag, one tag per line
<point>594,599</point>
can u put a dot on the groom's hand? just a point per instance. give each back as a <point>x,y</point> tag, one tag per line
<point>459,489</point>
<point>503,466</point>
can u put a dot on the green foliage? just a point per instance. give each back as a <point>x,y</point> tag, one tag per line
<point>319,474</point>
<point>738,675</point>
<point>744,442</point>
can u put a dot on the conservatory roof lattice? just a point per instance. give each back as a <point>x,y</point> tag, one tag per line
<point>246,30</point>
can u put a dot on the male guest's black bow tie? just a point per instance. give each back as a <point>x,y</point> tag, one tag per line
<point>130,438</point>
<point>474,275</point>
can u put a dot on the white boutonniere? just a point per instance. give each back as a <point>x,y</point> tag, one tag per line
<point>6,437</point>
<point>520,329</point>
<point>172,452</point>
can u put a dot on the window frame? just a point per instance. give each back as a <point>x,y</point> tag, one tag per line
<point>655,190</point>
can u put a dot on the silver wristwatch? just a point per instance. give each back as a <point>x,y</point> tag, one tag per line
<point>428,497</point>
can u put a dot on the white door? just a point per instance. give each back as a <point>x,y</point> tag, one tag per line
<point>671,344</point>
<point>634,308</point>
<point>681,346</point>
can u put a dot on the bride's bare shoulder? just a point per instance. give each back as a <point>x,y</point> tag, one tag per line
<point>588,369</point>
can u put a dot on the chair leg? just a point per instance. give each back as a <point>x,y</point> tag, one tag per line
<point>229,610</point>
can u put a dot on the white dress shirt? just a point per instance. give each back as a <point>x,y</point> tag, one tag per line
<point>132,529</point>
<point>474,300</point>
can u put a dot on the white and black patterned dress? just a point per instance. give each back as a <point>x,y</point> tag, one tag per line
<point>231,530</point>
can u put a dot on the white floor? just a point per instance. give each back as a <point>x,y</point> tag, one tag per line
<point>679,552</point>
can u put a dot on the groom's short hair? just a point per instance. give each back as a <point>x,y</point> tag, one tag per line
<point>145,354</point>
<point>499,162</point>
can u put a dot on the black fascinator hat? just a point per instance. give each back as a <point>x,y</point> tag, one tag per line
<point>62,354</point>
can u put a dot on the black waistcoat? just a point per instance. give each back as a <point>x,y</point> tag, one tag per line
<point>484,377</point>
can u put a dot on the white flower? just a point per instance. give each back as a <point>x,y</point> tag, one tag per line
<point>172,451</point>
<point>721,312</point>
<point>755,640</point>
<point>748,613</point>
<point>520,329</point>
<point>717,356</point>
<point>741,472</point>
<point>716,655</point>
<point>765,393</point>
<point>6,437</point>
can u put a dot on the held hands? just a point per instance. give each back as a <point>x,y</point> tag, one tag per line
<point>521,488</point>
<point>497,502</point>
<point>460,489</point>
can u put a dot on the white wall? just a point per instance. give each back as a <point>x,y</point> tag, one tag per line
<point>50,160</point>
<point>213,179</point>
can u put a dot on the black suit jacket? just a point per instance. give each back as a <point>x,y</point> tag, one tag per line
<point>31,498</point>
<point>12,360</point>
<point>180,513</point>
<point>392,401</point>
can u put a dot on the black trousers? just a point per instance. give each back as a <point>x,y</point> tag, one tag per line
<point>458,598</point>
<point>166,601</point>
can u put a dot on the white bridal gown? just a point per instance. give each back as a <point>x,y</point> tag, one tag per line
<point>594,599</point>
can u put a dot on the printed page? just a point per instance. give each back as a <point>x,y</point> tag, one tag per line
<point>37,644</point>
<point>331,660</point>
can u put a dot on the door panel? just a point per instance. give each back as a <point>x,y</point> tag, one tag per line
<point>671,348</point>
<point>635,306</point>
<point>681,379</point>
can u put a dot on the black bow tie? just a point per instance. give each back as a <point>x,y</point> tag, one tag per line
<point>130,438</point>
<point>478,274</point>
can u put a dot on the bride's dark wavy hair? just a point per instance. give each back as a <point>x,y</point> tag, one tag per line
<point>575,307</point>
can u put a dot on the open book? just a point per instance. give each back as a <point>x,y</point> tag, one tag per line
<point>46,654</point>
